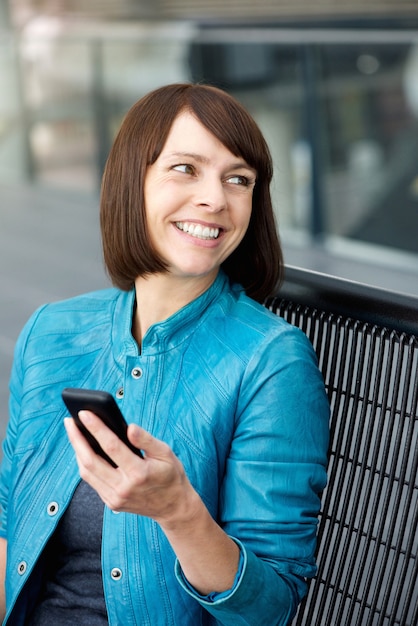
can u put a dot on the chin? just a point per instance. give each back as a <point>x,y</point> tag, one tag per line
<point>194,271</point>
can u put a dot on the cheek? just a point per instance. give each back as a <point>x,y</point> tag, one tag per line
<point>245,214</point>
<point>242,224</point>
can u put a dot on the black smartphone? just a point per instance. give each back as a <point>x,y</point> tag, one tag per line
<point>102,404</point>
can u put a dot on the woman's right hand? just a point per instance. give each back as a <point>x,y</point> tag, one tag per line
<point>156,486</point>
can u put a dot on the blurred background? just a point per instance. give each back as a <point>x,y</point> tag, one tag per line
<point>333,85</point>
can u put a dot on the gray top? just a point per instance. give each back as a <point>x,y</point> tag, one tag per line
<point>72,592</point>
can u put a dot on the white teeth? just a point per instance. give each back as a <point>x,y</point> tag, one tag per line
<point>197,230</point>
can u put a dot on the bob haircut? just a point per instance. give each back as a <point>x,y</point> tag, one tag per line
<point>257,262</point>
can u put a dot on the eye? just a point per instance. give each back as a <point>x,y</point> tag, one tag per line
<point>186,168</point>
<point>238,179</point>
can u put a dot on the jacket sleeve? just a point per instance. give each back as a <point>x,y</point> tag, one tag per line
<point>274,477</point>
<point>15,398</point>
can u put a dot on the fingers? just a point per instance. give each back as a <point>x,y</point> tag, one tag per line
<point>77,439</point>
<point>95,470</point>
<point>149,445</point>
<point>152,486</point>
<point>85,455</point>
<point>106,438</point>
<point>86,451</point>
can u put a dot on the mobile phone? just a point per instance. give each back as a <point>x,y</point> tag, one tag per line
<point>102,404</point>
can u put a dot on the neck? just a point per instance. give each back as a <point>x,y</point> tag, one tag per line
<point>159,296</point>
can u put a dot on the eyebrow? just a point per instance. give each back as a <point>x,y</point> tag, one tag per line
<point>200,158</point>
<point>190,155</point>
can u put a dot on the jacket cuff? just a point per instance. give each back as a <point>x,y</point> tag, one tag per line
<point>214,596</point>
<point>259,597</point>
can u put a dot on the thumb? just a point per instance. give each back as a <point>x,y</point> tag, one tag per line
<point>142,439</point>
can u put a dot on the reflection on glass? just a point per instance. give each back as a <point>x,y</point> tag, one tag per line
<point>340,118</point>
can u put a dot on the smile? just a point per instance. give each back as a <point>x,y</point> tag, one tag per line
<point>197,230</point>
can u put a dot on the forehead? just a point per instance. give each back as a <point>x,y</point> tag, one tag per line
<point>188,136</point>
<point>186,130</point>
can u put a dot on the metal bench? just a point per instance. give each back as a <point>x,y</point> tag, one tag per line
<point>366,340</point>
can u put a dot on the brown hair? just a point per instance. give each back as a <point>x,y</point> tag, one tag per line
<point>257,262</point>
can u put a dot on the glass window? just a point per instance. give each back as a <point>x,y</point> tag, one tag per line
<point>267,79</point>
<point>339,112</point>
<point>368,121</point>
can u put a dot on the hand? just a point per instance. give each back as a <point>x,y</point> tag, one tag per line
<point>155,486</point>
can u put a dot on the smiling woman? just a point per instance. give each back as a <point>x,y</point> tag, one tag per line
<point>210,192</point>
<point>224,399</point>
<point>173,122</point>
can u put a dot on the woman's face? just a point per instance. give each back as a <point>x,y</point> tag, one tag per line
<point>198,199</point>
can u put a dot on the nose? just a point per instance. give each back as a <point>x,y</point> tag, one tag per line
<point>210,194</point>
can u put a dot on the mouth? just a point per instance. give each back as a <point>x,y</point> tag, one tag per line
<point>199,231</point>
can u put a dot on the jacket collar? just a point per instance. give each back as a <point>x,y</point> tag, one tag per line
<point>164,335</point>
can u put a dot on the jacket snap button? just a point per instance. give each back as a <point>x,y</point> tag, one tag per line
<point>116,573</point>
<point>136,372</point>
<point>22,567</point>
<point>52,508</point>
<point>119,393</point>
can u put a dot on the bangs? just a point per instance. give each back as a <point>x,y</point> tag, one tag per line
<point>233,126</point>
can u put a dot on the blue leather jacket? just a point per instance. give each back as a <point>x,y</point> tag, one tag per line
<point>233,389</point>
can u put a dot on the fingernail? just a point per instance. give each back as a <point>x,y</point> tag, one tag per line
<point>85,417</point>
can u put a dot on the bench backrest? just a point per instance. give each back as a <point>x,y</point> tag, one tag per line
<point>367,346</point>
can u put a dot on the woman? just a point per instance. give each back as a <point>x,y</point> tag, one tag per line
<point>216,524</point>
